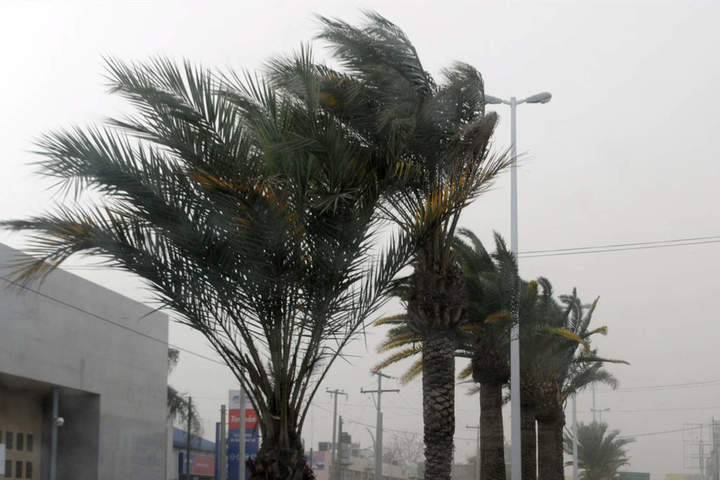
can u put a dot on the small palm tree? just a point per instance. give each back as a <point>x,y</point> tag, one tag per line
<point>565,367</point>
<point>601,453</point>
<point>489,281</point>
<point>178,406</point>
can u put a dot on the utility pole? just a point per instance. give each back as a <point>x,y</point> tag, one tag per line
<point>702,456</point>
<point>187,437</point>
<point>594,408</point>
<point>716,453</point>
<point>599,411</point>
<point>378,422</point>
<point>335,394</point>
<point>337,469</point>
<point>223,445</point>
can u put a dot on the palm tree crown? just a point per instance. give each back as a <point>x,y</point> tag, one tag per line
<point>601,453</point>
<point>247,210</point>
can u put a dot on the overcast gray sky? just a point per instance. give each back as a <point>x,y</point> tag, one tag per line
<point>626,151</point>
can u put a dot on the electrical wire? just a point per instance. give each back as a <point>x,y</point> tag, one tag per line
<point>618,245</point>
<point>663,432</point>
<point>385,429</point>
<point>670,386</point>
<point>606,249</point>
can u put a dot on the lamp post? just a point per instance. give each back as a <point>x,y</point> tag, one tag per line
<point>542,97</point>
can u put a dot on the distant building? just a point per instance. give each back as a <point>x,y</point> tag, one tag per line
<point>463,471</point>
<point>202,457</point>
<point>684,476</point>
<point>634,476</point>
<point>359,466</point>
<point>101,360</point>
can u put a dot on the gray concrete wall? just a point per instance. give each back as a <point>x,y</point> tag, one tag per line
<point>57,339</point>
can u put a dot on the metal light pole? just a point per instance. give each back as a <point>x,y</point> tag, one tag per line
<point>542,97</point>
<point>56,423</point>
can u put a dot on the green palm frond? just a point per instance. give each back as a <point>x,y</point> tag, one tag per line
<point>391,320</point>
<point>412,373</point>
<point>466,372</point>
<point>397,357</point>
<point>601,453</point>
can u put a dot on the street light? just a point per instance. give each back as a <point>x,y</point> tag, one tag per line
<point>542,97</point>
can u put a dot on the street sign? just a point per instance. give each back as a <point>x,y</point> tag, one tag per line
<point>235,429</point>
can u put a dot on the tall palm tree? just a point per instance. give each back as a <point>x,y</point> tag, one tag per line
<point>601,453</point>
<point>484,338</point>
<point>567,366</point>
<point>436,136</point>
<point>248,211</point>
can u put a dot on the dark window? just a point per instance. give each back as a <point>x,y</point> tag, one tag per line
<point>8,468</point>
<point>18,469</point>
<point>20,442</point>
<point>28,469</point>
<point>29,442</point>
<point>8,440</point>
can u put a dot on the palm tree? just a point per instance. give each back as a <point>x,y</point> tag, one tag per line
<point>565,367</point>
<point>489,281</point>
<point>483,339</point>
<point>248,211</point>
<point>436,136</point>
<point>600,453</point>
<point>535,340</point>
<point>178,407</point>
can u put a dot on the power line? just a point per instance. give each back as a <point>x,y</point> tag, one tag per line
<point>363,424</point>
<point>663,432</point>
<point>669,386</point>
<point>650,410</point>
<point>112,322</point>
<point>601,249</point>
<point>618,245</point>
<point>610,247</point>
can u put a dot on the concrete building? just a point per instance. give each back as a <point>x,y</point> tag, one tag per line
<point>101,359</point>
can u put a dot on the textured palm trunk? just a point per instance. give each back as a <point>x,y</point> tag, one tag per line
<point>550,448</point>
<point>527,442</point>
<point>492,442</point>
<point>281,455</point>
<point>438,404</point>
<point>280,464</point>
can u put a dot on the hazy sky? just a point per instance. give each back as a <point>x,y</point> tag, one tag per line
<point>626,151</point>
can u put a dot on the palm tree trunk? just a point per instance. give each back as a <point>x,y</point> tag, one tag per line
<point>280,464</point>
<point>550,447</point>
<point>438,404</point>
<point>527,442</point>
<point>492,444</point>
